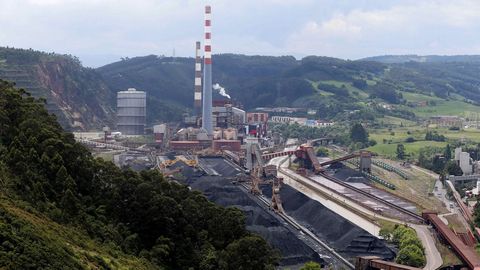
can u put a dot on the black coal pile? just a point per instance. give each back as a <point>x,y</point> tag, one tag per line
<point>347,174</point>
<point>220,166</point>
<point>344,236</point>
<point>258,220</point>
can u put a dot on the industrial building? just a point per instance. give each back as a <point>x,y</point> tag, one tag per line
<point>227,134</point>
<point>227,116</point>
<point>230,145</point>
<point>216,122</point>
<point>464,160</point>
<point>131,112</point>
<point>256,117</point>
<point>159,131</point>
<point>288,120</point>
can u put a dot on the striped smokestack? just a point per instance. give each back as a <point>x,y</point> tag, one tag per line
<point>207,75</point>
<point>197,105</point>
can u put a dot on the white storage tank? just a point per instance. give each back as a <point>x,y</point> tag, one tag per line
<point>131,111</point>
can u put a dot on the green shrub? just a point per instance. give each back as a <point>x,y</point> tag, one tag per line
<point>411,250</point>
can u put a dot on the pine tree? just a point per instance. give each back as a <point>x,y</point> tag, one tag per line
<point>400,151</point>
<point>358,133</point>
<point>64,181</point>
<point>448,152</point>
<point>69,204</point>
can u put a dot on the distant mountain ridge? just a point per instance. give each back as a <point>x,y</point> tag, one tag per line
<point>329,85</point>
<point>391,59</point>
<point>84,98</point>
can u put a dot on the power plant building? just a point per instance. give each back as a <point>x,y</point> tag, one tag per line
<point>131,112</point>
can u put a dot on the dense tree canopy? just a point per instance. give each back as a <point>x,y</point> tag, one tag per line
<point>358,133</point>
<point>452,168</point>
<point>411,251</point>
<point>140,213</point>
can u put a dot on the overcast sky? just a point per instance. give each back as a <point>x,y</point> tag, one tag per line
<point>102,31</point>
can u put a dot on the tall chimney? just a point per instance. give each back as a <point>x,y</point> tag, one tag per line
<point>197,99</point>
<point>207,76</point>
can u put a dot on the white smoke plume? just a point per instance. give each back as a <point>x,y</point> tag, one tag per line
<point>221,90</point>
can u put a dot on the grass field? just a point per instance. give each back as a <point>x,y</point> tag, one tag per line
<point>348,85</point>
<point>415,97</point>
<point>321,92</point>
<point>447,107</point>
<point>418,133</point>
<point>418,188</point>
<point>396,121</point>
<point>454,106</point>
<point>399,134</point>
<point>389,150</point>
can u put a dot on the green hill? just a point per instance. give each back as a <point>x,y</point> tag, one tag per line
<point>417,86</point>
<point>391,59</point>
<point>62,209</point>
<point>332,86</point>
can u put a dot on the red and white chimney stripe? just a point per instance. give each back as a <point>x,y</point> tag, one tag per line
<point>198,79</point>
<point>208,35</point>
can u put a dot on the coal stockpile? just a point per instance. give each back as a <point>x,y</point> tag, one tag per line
<point>220,166</point>
<point>338,232</point>
<point>259,220</point>
<point>343,172</point>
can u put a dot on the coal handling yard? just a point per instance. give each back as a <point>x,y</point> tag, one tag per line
<point>356,182</point>
<point>310,209</point>
<point>296,247</point>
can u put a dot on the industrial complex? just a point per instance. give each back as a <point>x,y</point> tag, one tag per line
<point>330,209</point>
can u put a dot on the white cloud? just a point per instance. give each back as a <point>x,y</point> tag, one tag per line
<point>347,29</point>
<point>359,32</point>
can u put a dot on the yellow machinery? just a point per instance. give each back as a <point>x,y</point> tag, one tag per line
<point>189,162</point>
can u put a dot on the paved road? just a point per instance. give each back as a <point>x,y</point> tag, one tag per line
<point>434,259</point>
<point>441,194</point>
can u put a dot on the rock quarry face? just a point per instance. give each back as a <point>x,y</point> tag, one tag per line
<point>75,94</point>
<point>77,91</point>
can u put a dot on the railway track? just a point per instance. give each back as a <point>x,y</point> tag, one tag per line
<point>371,196</point>
<point>414,218</point>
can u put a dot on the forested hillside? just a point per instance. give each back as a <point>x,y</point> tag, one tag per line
<point>169,81</point>
<point>332,86</point>
<point>62,209</point>
<point>84,98</point>
<point>390,59</point>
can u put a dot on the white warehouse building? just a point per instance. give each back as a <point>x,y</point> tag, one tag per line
<point>464,160</point>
